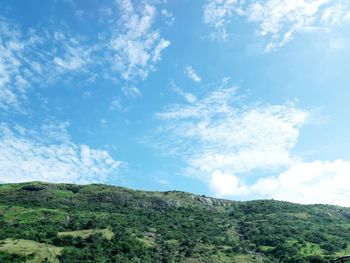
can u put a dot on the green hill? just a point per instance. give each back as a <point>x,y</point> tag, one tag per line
<point>42,222</point>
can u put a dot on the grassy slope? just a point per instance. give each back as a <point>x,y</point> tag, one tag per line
<point>106,233</point>
<point>193,228</point>
<point>28,247</point>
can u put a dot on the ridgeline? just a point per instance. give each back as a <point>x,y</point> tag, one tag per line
<point>44,222</point>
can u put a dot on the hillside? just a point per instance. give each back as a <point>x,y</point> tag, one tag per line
<point>41,222</point>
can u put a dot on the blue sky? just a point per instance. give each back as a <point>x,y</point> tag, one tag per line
<point>229,98</point>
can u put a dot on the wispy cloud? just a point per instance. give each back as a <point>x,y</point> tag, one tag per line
<point>281,19</point>
<point>231,146</point>
<point>51,155</point>
<point>35,58</point>
<point>75,56</point>
<point>169,17</point>
<point>131,46</point>
<point>12,84</point>
<point>162,181</point>
<point>217,14</point>
<point>136,45</point>
<point>131,91</point>
<point>277,20</point>
<point>189,97</point>
<point>221,141</point>
<point>116,104</point>
<point>192,74</point>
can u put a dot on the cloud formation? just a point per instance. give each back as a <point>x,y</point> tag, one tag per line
<point>225,184</point>
<point>129,48</point>
<point>221,140</point>
<point>277,20</point>
<point>169,17</point>
<point>131,91</point>
<point>324,182</point>
<point>75,55</point>
<point>32,58</point>
<point>192,74</point>
<point>217,14</point>
<point>281,19</point>
<point>224,143</point>
<point>51,156</point>
<point>12,83</point>
<point>137,46</point>
<point>189,97</point>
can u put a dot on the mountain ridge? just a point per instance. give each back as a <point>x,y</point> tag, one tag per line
<point>169,226</point>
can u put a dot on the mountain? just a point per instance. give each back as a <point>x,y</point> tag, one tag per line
<point>44,222</point>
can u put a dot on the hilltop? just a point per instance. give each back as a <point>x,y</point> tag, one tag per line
<point>44,222</point>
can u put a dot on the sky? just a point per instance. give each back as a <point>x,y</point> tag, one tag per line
<point>235,99</point>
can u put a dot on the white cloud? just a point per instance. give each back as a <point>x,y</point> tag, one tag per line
<point>137,46</point>
<point>337,14</point>
<point>169,17</point>
<point>115,104</point>
<point>216,137</point>
<point>69,53</point>
<point>35,58</point>
<point>216,13</point>
<point>224,142</point>
<point>158,49</point>
<point>162,181</point>
<point>224,184</point>
<point>75,58</point>
<point>189,97</point>
<point>53,131</point>
<point>281,18</point>
<point>277,20</point>
<point>131,91</point>
<point>105,14</point>
<point>38,57</point>
<point>27,155</point>
<point>191,74</point>
<point>314,182</point>
<point>11,52</point>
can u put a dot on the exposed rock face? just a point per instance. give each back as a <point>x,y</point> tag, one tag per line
<point>205,200</point>
<point>211,202</point>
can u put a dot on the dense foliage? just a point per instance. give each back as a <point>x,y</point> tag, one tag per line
<point>163,227</point>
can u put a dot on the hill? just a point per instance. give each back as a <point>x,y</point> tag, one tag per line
<point>42,222</point>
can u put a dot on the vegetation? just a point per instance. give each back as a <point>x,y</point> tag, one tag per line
<point>106,233</point>
<point>42,222</point>
<point>29,251</point>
